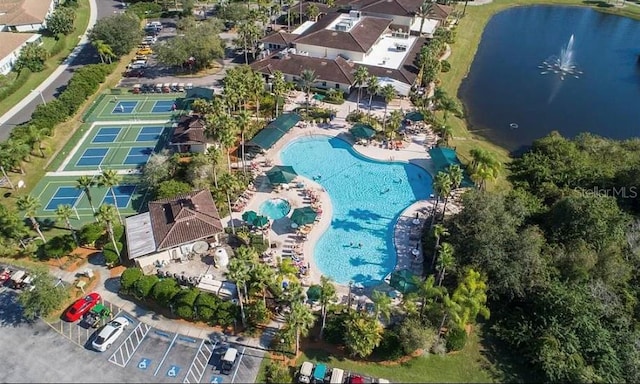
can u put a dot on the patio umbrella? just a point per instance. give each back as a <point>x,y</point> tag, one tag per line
<point>362,131</point>
<point>281,174</point>
<point>314,292</point>
<point>249,216</point>
<point>303,216</point>
<point>260,221</point>
<point>414,116</point>
<point>404,281</point>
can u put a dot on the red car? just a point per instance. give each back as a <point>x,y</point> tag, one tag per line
<point>81,306</point>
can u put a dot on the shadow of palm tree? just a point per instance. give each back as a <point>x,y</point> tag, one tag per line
<point>346,225</point>
<point>364,214</point>
<point>358,261</point>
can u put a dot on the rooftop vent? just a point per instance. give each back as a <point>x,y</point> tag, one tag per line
<point>354,14</point>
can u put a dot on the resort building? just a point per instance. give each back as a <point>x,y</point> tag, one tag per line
<point>189,134</point>
<point>12,44</point>
<point>172,229</point>
<point>25,15</point>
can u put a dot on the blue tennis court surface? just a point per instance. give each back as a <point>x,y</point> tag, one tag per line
<point>149,133</point>
<point>138,156</point>
<point>163,106</point>
<point>123,195</point>
<point>63,196</point>
<point>92,157</point>
<point>124,107</point>
<point>106,135</point>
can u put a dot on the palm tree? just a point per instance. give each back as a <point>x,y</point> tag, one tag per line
<point>395,119</point>
<point>262,276</point>
<point>456,175</point>
<point>256,89</point>
<point>7,161</point>
<point>429,293</point>
<point>106,215</point>
<point>388,93</point>
<point>445,260</point>
<point>300,320</point>
<point>227,136</point>
<point>446,132</point>
<point>327,295</point>
<point>360,77</point>
<point>104,51</point>
<point>85,183</point>
<point>439,231</point>
<point>381,304</point>
<point>423,11</point>
<point>441,185</point>
<point>64,213</point>
<point>484,167</point>
<point>288,3</point>
<point>213,156</point>
<point>30,205</point>
<point>35,136</point>
<point>242,122</point>
<point>471,297</point>
<point>228,184</point>
<point>109,178</point>
<point>307,79</point>
<point>373,87</point>
<point>445,190</point>
<point>312,12</point>
<point>238,272</point>
<point>279,87</point>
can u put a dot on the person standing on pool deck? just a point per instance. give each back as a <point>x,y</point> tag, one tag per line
<point>174,106</point>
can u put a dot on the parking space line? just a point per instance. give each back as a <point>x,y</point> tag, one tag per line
<point>205,351</point>
<point>140,332</point>
<point>233,379</point>
<point>165,354</point>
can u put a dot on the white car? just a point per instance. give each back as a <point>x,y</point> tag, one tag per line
<point>110,333</point>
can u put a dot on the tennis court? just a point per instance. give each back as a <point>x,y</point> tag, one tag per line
<point>92,157</point>
<point>63,196</point>
<point>150,134</point>
<point>125,106</point>
<point>123,195</point>
<point>138,156</point>
<point>106,135</point>
<point>163,106</point>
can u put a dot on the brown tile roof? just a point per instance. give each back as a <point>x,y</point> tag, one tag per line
<point>336,71</point>
<point>395,7</point>
<point>184,219</point>
<point>190,130</point>
<point>360,38</point>
<point>280,38</point>
<point>12,41</point>
<point>21,12</point>
<point>440,11</point>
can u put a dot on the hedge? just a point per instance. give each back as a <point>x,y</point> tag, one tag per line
<point>110,255</point>
<point>20,80</point>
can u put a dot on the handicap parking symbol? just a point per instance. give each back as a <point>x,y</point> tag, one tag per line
<point>216,379</point>
<point>144,363</point>
<point>173,371</point>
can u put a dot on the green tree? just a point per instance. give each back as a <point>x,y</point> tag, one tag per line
<point>362,334</point>
<point>306,81</point>
<point>388,93</point>
<point>197,47</point>
<point>242,122</point>
<point>471,295</point>
<point>360,77</point>
<point>279,88</point>
<point>104,51</point>
<point>121,32</point>
<point>85,183</point>
<point>157,169</point>
<point>11,224</point>
<point>64,213</point>
<point>106,214</point>
<point>213,156</point>
<point>32,57</point>
<point>35,136</point>
<point>238,272</point>
<point>327,296</point>
<point>229,184</point>
<point>44,298</point>
<point>262,276</point>
<point>414,335</point>
<point>110,179</point>
<point>373,88</point>
<point>29,205</point>
<point>61,21</point>
<point>299,320</point>
<point>445,260</point>
<point>381,304</point>
<point>7,162</point>
<point>248,35</point>
<point>484,167</point>
<point>129,278</point>
<point>442,188</point>
<point>429,293</point>
<point>439,231</point>
<point>456,175</point>
<point>172,188</point>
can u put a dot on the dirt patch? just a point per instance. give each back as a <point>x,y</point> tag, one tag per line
<point>117,271</point>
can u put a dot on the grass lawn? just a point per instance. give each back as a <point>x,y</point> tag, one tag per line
<point>468,35</point>
<point>35,79</point>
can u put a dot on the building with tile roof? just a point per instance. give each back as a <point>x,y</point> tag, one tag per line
<point>25,15</point>
<point>12,44</point>
<point>189,134</point>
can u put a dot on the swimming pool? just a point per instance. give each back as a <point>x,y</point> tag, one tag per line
<point>275,208</point>
<point>367,197</point>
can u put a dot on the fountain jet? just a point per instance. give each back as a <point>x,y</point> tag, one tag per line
<point>563,65</point>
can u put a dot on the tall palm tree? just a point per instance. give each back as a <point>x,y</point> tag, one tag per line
<point>229,184</point>
<point>227,136</point>
<point>381,304</point>
<point>300,320</point>
<point>471,296</point>
<point>307,79</point>
<point>30,205</point>
<point>255,84</point>
<point>395,119</point>
<point>373,88</point>
<point>262,277</point>
<point>279,87</point>
<point>85,183</point>
<point>107,214</point>
<point>441,187</point>
<point>288,3</point>
<point>110,179</point>
<point>445,190</point>
<point>429,293</point>
<point>388,93</point>
<point>423,11</point>
<point>242,122</point>
<point>484,166</point>
<point>213,156</point>
<point>360,77</point>
<point>312,12</point>
<point>456,175</point>
<point>327,295</point>
<point>104,51</point>
<point>64,213</point>
<point>445,260</point>
<point>238,272</point>
<point>7,161</point>
<point>439,231</point>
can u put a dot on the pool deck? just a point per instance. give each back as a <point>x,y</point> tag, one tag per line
<point>406,228</point>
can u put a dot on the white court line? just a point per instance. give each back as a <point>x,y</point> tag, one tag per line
<point>238,366</point>
<point>165,355</point>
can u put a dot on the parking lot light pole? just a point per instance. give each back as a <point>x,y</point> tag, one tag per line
<point>41,97</point>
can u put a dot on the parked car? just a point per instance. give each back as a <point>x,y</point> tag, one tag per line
<point>306,369</point>
<point>81,306</point>
<point>356,379</point>
<point>98,313</point>
<point>110,333</point>
<point>229,360</point>
<point>138,72</point>
<point>5,275</point>
<point>144,51</point>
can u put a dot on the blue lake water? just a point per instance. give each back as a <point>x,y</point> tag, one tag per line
<point>505,85</point>
<point>367,196</point>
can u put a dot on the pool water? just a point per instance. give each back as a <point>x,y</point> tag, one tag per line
<point>275,208</point>
<point>367,197</point>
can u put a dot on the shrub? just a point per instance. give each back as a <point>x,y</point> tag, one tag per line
<point>58,246</point>
<point>335,329</point>
<point>144,285</point>
<point>276,373</point>
<point>445,66</point>
<point>390,347</point>
<point>414,335</point>
<point>110,255</point>
<point>90,233</point>
<point>206,306</point>
<point>456,339</point>
<point>257,313</point>
<point>172,188</point>
<point>165,290</point>
<point>226,314</point>
<point>128,279</point>
<point>184,303</point>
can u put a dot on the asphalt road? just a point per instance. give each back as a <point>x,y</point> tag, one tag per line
<point>88,55</point>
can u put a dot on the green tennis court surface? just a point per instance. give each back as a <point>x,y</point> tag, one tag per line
<point>109,107</point>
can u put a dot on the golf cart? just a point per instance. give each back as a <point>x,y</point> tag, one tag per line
<point>98,313</point>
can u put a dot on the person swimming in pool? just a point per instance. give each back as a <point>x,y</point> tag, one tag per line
<point>121,108</point>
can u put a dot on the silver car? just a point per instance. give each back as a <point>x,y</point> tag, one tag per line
<point>110,333</point>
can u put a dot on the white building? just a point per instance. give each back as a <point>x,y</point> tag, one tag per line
<point>12,44</point>
<point>25,15</point>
